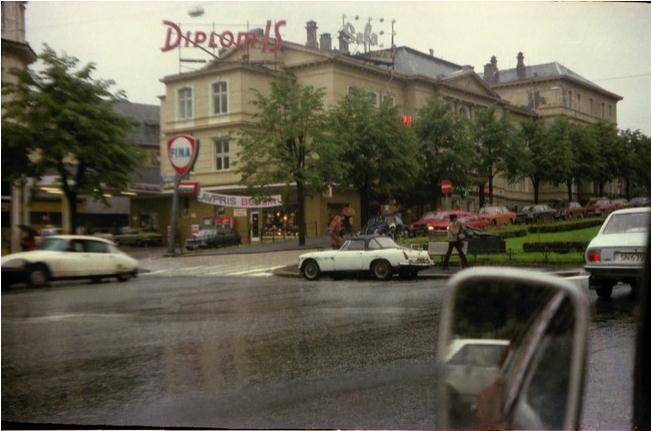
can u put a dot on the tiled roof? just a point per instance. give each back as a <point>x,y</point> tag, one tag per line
<point>411,62</point>
<point>542,71</point>
<point>148,117</point>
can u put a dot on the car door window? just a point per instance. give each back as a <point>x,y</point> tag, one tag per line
<point>96,247</point>
<point>76,246</point>
<point>356,245</point>
<point>374,245</point>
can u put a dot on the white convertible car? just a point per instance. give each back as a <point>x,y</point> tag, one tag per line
<point>617,252</point>
<point>379,255</point>
<point>69,257</point>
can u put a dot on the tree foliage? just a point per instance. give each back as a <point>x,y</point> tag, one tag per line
<point>377,150</point>
<point>491,137</point>
<point>444,147</point>
<point>61,120</point>
<point>285,142</point>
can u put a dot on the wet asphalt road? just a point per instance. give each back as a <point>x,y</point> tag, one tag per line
<point>243,352</point>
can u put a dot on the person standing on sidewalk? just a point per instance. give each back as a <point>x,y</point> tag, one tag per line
<point>335,232</point>
<point>455,240</point>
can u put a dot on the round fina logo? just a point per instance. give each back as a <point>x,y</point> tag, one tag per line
<point>181,150</point>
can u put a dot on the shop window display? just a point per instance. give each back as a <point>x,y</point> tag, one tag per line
<point>279,224</point>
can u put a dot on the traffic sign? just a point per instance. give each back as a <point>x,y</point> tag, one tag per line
<point>446,186</point>
<point>181,151</point>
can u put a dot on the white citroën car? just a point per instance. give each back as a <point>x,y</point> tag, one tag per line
<point>69,257</point>
<point>617,253</point>
<point>379,255</point>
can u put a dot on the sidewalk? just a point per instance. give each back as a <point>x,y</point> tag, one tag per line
<point>436,272</point>
<point>311,244</point>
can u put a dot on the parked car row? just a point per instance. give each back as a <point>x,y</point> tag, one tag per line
<point>213,237</point>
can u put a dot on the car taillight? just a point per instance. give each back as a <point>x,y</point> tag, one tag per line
<point>594,255</point>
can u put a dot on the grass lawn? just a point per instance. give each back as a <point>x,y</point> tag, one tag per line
<point>515,255</point>
<point>585,234</point>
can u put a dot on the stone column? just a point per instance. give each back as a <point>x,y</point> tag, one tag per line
<point>65,215</point>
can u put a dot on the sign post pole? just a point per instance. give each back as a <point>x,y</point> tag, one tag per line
<point>182,151</point>
<point>171,243</point>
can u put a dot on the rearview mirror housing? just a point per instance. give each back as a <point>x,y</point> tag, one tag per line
<point>512,350</point>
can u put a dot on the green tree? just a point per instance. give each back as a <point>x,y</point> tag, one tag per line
<point>609,154</point>
<point>61,120</point>
<point>285,144</point>
<point>378,151</point>
<point>557,154</point>
<point>585,160</point>
<point>636,161</point>
<point>491,137</point>
<point>444,149</point>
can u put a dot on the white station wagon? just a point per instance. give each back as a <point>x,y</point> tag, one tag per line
<point>69,257</point>
<point>379,255</point>
<point>616,254</point>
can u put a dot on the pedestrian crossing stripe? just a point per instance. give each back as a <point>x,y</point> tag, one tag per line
<point>218,270</point>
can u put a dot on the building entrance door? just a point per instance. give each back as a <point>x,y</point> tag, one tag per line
<point>255,225</point>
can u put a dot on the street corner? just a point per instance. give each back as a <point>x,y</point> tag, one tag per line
<point>290,271</point>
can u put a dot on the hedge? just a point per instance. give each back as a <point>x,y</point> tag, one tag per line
<point>561,227</point>
<point>554,246</point>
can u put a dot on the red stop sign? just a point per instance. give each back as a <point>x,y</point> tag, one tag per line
<point>446,186</point>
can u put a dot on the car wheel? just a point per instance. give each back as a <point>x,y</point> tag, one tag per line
<point>38,275</point>
<point>311,270</point>
<point>604,292</point>
<point>381,269</point>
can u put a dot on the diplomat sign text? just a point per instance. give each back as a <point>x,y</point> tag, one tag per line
<point>177,37</point>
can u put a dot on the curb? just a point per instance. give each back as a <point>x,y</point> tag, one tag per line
<point>290,271</point>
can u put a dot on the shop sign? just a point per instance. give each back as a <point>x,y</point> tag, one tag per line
<point>368,37</point>
<point>176,37</point>
<point>231,201</point>
<point>239,212</point>
<point>181,151</point>
<point>188,188</point>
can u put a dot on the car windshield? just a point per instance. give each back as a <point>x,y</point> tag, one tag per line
<point>206,233</point>
<point>53,244</point>
<point>386,242</point>
<point>627,223</point>
<point>479,355</point>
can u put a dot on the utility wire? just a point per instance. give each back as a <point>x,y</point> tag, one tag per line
<point>622,77</point>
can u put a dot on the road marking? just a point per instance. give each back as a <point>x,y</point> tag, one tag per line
<point>250,271</point>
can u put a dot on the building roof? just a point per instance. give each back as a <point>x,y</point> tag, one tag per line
<point>545,71</point>
<point>148,118</point>
<point>409,61</point>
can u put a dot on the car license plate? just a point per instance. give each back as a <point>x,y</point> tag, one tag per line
<point>630,257</point>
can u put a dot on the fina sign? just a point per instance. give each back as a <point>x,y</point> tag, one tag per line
<point>182,151</point>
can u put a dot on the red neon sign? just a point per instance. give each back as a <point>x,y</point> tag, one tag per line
<point>176,37</point>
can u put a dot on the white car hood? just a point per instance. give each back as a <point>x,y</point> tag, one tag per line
<point>634,239</point>
<point>319,254</point>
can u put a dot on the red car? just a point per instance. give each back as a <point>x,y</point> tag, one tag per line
<point>438,221</point>
<point>572,210</point>
<point>599,206</point>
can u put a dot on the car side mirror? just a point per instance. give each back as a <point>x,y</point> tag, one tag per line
<point>512,351</point>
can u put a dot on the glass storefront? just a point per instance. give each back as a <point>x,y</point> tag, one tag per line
<point>279,223</point>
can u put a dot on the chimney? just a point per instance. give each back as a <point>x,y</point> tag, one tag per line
<point>491,74</point>
<point>343,43</point>
<point>520,68</point>
<point>311,35</point>
<point>325,42</point>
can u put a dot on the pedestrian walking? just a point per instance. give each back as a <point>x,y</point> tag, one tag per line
<point>455,240</point>
<point>335,231</point>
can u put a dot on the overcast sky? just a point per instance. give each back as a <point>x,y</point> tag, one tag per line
<point>608,43</point>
